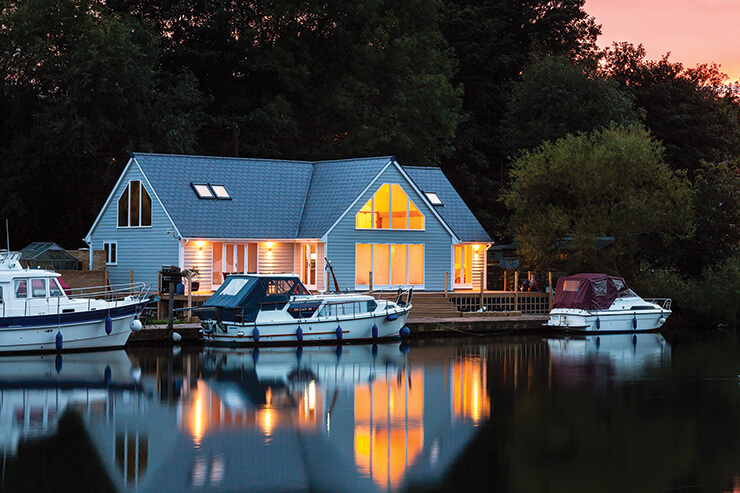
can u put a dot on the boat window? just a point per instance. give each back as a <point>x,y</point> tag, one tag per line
<point>570,285</point>
<point>627,293</point>
<point>600,288</point>
<point>38,288</point>
<point>618,284</point>
<point>54,289</point>
<point>21,288</point>
<point>1,294</point>
<point>285,286</point>
<point>233,285</point>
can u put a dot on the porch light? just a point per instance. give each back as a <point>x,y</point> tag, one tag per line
<point>476,247</point>
<point>269,246</point>
<point>200,244</point>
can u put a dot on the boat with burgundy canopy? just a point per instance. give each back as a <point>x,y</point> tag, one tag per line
<point>602,303</point>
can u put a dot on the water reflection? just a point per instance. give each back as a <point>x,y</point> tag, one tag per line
<point>567,414</point>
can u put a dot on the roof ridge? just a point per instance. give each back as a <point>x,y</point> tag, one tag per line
<point>229,158</point>
<point>404,166</point>
<point>366,158</point>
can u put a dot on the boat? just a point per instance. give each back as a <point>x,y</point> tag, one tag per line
<point>38,312</point>
<point>600,303</point>
<point>277,309</point>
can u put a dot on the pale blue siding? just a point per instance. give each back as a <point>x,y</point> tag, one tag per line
<point>437,241</point>
<point>143,250</point>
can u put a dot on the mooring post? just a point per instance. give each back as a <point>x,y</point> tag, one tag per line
<point>171,308</point>
<point>447,276</point>
<point>370,280</point>
<point>516,290</point>
<point>190,295</point>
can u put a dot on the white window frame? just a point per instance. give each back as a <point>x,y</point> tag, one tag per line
<point>434,198</point>
<point>107,250</point>
<point>199,192</point>
<point>390,266</point>
<point>142,188</point>
<point>216,188</point>
<point>390,199</point>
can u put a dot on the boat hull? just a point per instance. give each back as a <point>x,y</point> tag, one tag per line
<point>353,330</point>
<point>606,321</point>
<point>79,331</point>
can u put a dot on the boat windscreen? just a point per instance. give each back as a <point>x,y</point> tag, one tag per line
<point>234,285</point>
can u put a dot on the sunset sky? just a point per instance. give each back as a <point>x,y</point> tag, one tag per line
<point>694,31</point>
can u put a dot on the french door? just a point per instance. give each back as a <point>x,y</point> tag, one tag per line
<point>233,258</point>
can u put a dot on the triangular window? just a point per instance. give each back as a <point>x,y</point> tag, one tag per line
<point>390,208</point>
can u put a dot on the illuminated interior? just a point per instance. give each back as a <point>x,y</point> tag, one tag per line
<point>464,265</point>
<point>389,208</point>
<point>229,258</point>
<point>397,265</point>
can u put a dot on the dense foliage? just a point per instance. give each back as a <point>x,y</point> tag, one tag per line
<point>476,87</point>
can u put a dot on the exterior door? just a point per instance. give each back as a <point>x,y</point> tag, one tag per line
<point>463,278</point>
<point>233,258</point>
<point>308,264</point>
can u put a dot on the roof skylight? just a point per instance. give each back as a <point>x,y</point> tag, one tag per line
<point>202,190</point>
<point>433,198</point>
<point>220,191</point>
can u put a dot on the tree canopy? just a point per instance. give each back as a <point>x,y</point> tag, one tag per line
<point>610,183</point>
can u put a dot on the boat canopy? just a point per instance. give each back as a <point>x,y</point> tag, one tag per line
<point>240,297</point>
<point>588,291</point>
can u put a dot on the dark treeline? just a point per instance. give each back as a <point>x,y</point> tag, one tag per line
<point>475,87</point>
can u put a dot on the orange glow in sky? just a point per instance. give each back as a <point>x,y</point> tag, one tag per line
<point>694,31</point>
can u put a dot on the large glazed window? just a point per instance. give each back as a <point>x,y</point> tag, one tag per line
<point>389,208</point>
<point>389,265</point>
<point>134,206</point>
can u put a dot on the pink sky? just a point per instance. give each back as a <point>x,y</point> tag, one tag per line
<point>694,31</point>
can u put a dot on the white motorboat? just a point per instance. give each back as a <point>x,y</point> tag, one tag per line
<point>38,314</point>
<point>602,303</point>
<point>275,309</point>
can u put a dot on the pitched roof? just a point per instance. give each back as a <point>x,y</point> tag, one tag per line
<point>282,199</point>
<point>334,186</point>
<point>267,196</point>
<point>454,210</point>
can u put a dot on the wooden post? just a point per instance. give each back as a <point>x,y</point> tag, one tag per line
<point>481,291</point>
<point>516,290</point>
<point>447,276</point>
<point>171,306</point>
<point>190,294</point>
<point>370,280</point>
<point>505,272</point>
<point>159,282</point>
<point>549,280</point>
<point>131,278</point>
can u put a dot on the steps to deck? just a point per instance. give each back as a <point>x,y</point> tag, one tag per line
<point>432,305</point>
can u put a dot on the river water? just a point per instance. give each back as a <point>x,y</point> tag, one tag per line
<point>610,413</point>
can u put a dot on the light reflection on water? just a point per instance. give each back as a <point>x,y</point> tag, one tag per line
<point>354,419</point>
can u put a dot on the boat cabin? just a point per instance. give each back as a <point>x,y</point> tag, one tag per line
<point>588,291</point>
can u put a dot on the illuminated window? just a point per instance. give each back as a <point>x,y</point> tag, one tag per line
<point>391,265</point>
<point>134,206</point>
<point>389,208</point>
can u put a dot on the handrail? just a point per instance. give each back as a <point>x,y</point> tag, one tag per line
<point>664,303</point>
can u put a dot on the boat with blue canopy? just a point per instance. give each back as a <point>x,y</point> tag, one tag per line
<point>277,309</point>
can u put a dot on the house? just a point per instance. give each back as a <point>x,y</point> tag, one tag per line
<point>381,224</point>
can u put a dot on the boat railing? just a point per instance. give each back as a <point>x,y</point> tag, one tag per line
<point>7,258</point>
<point>664,303</point>
<point>328,310</point>
<point>115,294</point>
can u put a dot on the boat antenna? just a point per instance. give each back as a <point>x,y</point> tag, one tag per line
<point>7,234</point>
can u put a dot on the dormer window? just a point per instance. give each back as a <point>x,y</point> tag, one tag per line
<point>202,190</point>
<point>433,198</point>
<point>134,206</point>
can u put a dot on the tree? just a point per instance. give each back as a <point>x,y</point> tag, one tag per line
<point>82,92</point>
<point>556,97</point>
<point>607,183</point>
<point>692,111</point>
<point>493,40</point>
<point>316,80</point>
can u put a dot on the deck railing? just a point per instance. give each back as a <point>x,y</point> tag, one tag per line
<point>504,301</point>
